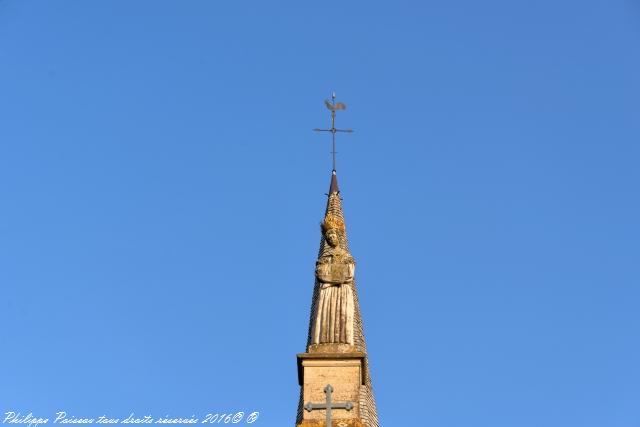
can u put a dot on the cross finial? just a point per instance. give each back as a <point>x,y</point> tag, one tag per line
<point>334,106</point>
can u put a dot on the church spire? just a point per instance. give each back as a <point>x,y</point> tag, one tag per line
<point>335,364</point>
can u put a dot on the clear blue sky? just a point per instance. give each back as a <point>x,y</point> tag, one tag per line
<point>161,190</point>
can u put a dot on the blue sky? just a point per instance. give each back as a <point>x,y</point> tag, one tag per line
<point>161,190</point>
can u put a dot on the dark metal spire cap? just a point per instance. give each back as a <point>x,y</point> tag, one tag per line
<point>333,188</point>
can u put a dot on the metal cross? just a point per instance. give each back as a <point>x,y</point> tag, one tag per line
<point>334,106</point>
<point>329,405</point>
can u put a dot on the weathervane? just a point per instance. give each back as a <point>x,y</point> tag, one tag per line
<point>334,106</point>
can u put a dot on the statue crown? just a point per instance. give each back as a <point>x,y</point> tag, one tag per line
<point>332,222</point>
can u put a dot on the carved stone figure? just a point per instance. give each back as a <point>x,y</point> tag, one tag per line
<point>333,319</point>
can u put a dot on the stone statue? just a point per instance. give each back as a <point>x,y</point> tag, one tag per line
<point>333,318</point>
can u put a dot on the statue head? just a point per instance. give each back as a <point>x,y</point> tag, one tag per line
<point>332,228</point>
<point>332,237</point>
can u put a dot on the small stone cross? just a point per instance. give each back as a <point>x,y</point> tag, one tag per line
<point>329,405</point>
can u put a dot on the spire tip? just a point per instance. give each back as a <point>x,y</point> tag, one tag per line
<point>333,188</point>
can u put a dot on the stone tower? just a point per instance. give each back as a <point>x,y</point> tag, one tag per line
<point>334,369</point>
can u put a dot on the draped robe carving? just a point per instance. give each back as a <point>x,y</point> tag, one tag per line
<point>333,320</point>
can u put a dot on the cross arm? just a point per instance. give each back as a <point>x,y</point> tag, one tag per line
<point>333,130</point>
<point>334,405</point>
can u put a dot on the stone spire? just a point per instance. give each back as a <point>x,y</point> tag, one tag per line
<point>336,352</point>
